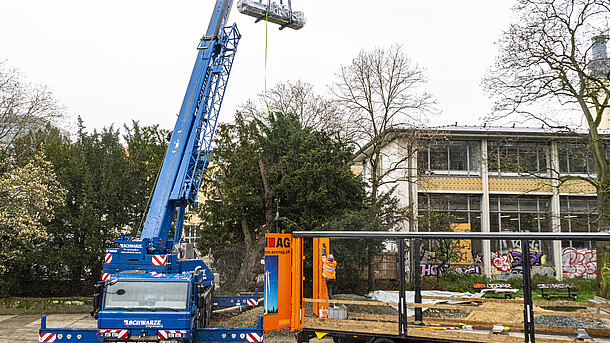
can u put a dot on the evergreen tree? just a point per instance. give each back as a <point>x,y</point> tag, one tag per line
<point>259,167</point>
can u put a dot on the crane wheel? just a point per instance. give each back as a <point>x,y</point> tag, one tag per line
<point>205,313</point>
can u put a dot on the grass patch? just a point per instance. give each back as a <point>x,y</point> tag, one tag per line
<point>17,305</point>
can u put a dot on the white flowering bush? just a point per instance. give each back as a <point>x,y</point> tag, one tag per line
<point>28,196</point>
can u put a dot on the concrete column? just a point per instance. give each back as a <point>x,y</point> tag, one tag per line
<point>485,208</point>
<point>413,189</point>
<point>555,210</point>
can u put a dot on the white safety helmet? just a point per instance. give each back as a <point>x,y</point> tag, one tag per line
<point>331,257</point>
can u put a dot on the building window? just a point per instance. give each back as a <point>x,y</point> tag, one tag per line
<point>512,157</point>
<point>521,214</point>
<point>450,158</point>
<point>189,233</point>
<point>578,214</point>
<point>461,208</point>
<point>575,158</point>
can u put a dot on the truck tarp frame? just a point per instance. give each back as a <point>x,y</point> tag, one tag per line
<point>544,236</point>
<point>524,237</point>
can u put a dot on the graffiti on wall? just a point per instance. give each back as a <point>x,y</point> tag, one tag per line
<point>579,262</point>
<point>438,270</point>
<point>433,269</point>
<point>515,245</point>
<point>501,262</point>
<point>478,259</point>
<point>512,259</point>
<point>464,246</point>
<point>430,266</point>
<point>468,270</point>
<point>606,271</point>
<point>518,273</point>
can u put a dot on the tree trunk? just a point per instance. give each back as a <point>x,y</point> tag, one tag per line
<point>603,208</point>
<point>268,195</point>
<point>246,277</point>
<point>371,271</point>
<point>250,267</point>
<point>603,248</point>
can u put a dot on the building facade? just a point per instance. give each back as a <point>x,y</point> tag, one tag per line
<point>497,179</point>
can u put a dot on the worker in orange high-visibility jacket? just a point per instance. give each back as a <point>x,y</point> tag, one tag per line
<point>328,270</point>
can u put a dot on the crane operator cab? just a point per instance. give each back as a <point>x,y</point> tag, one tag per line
<point>134,305</point>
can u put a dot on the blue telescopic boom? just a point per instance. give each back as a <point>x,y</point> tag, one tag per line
<point>187,154</point>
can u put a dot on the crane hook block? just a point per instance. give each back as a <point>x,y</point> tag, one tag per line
<point>276,13</point>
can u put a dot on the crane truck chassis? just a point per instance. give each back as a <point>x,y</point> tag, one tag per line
<point>148,293</point>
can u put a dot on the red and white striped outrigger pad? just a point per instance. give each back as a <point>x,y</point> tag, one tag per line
<point>46,337</point>
<point>105,276</point>
<point>113,333</point>
<point>254,337</point>
<point>159,260</point>
<point>164,334</point>
<point>252,302</point>
<point>108,258</point>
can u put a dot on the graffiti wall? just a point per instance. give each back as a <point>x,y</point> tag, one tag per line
<point>436,270</point>
<point>507,262</point>
<point>579,262</point>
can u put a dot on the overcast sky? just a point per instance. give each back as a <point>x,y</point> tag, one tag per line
<point>115,61</point>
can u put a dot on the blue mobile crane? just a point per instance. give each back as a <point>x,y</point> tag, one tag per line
<point>148,292</point>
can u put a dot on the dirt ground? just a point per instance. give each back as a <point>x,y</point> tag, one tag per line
<point>499,312</point>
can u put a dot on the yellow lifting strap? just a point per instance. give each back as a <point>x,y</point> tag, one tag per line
<point>266,45</point>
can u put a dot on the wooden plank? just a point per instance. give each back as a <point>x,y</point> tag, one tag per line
<point>352,302</point>
<point>517,326</point>
<point>374,317</point>
<point>463,335</point>
<point>483,323</point>
<point>458,307</point>
<point>536,311</point>
<point>571,330</point>
<point>478,300</point>
<point>444,306</point>
<point>479,336</point>
<point>346,325</point>
<point>374,327</point>
<point>520,301</point>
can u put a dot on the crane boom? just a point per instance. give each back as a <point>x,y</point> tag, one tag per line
<point>189,146</point>
<point>150,292</point>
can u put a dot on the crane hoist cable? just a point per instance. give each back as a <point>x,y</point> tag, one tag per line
<point>266,48</point>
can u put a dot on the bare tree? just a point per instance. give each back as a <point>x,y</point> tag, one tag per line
<point>300,99</point>
<point>551,56</point>
<point>380,95</point>
<point>23,107</point>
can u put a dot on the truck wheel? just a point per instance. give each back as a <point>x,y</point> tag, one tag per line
<point>383,340</point>
<point>201,319</point>
<point>208,307</point>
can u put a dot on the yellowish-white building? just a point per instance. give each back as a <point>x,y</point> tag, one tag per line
<point>499,179</point>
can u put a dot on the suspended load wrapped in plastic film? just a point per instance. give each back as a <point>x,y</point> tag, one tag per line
<point>277,13</point>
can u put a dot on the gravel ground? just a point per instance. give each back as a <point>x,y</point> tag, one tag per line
<point>381,309</point>
<point>565,321</point>
<point>443,313</point>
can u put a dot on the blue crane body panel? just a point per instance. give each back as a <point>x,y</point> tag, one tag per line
<point>147,293</point>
